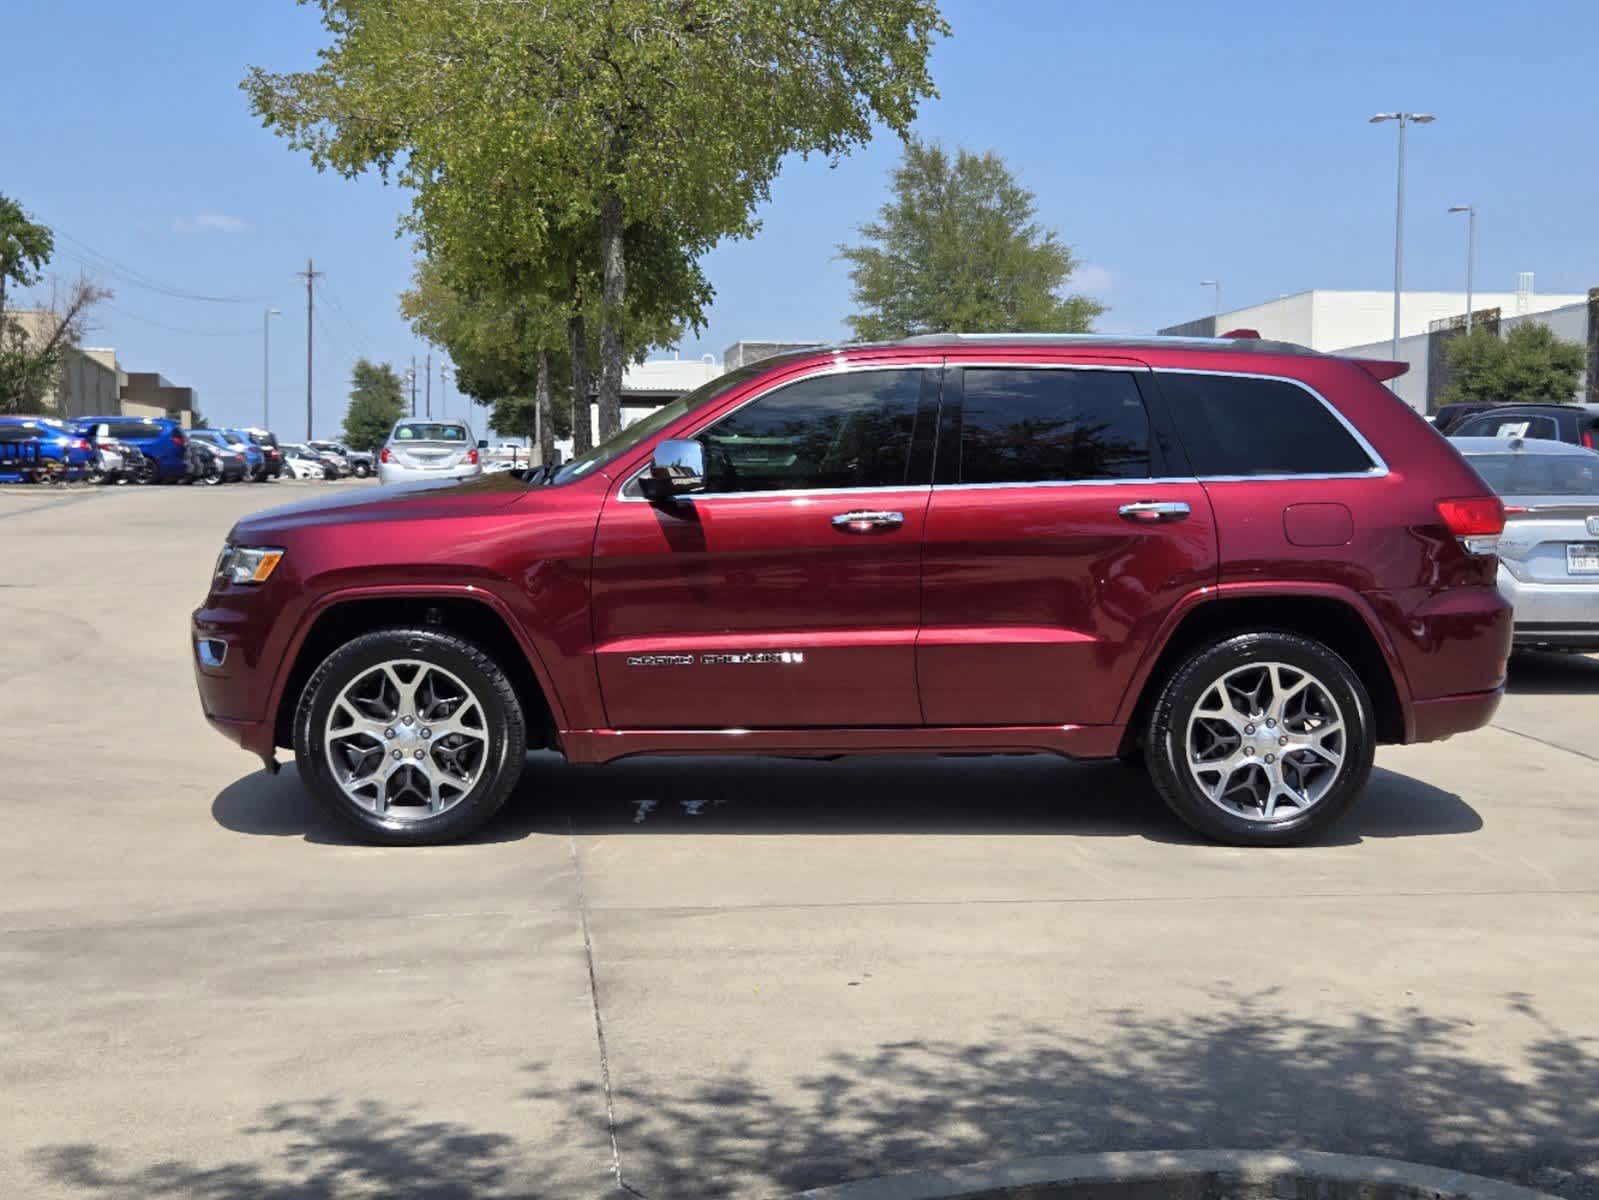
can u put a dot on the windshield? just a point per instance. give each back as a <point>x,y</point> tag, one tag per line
<point>429,431</point>
<point>641,429</point>
<point>1539,474</point>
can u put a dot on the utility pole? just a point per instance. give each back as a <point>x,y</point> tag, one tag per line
<point>1471,252</point>
<point>429,388</point>
<point>411,376</point>
<point>444,389</point>
<point>310,275</point>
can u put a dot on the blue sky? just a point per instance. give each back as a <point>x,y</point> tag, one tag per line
<point>1167,142</point>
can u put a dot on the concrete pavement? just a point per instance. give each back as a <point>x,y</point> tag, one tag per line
<point>800,973</point>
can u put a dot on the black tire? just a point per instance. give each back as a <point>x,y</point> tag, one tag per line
<point>504,723</point>
<point>1166,743</point>
<point>361,471</point>
<point>149,473</point>
<point>213,473</point>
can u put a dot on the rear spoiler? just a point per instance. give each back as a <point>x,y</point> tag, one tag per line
<point>1380,369</point>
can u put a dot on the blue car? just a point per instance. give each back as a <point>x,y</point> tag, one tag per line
<point>160,440</point>
<point>42,448</point>
<point>255,459</point>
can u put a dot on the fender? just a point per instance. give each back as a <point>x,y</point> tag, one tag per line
<point>1266,589</point>
<point>447,591</point>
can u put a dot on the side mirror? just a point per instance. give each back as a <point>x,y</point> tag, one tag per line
<point>482,443</point>
<point>677,467</point>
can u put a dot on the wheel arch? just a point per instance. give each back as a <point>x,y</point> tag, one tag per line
<point>473,616</point>
<point>1341,621</point>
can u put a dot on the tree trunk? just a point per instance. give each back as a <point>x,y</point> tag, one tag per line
<point>541,406</point>
<point>577,344</point>
<point>613,296</point>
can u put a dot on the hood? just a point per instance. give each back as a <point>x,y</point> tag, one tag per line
<point>429,500</point>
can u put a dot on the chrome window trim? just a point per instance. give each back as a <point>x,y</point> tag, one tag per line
<point>839,366</point>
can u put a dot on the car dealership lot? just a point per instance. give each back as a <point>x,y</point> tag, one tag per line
<point>804,972</point>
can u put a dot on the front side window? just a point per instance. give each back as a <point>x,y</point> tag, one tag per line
<point>1232,425</point>
<point>849,430</point>
<point>1021,425</point>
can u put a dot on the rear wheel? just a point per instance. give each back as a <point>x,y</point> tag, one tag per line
<point>410,736</point>
<point>148,472</point>
<point>1263,739</point>
<point>361,470</point>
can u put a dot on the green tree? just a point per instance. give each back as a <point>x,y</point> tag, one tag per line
<point>376,403</point>
<point>1529,365</point>
<point>547,131</point>
<point>34,341</point>
<point>958,248</point>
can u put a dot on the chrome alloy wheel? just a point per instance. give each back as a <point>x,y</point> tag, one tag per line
<point>406,740</point>
<point>1266,742</point>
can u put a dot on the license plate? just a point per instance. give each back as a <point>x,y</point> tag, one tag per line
<point>1582,558</point>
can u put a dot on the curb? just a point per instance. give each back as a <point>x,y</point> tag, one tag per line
<point>1183,1175</point>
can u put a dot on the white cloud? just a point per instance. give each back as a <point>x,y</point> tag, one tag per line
<point>210,222</point>
<point>1092,279</point>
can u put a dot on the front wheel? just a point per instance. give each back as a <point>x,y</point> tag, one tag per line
<point>410,736</point>
<point>1262,739</point>
<point>361,471</point>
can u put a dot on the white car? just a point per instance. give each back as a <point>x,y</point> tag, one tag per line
<point>302,462</point>
<point>420,448</point>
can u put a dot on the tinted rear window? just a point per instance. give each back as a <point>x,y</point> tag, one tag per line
<point>1539,474</point>
<point>419,432</point>
<point>1508,425</point>
<point>1052,426</point>
<point>134,430</point>
<point>1237,426</point>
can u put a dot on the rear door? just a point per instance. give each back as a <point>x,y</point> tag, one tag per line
<point>1061,531</point>
<point>787,594</point>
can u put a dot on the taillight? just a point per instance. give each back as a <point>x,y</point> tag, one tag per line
<point>178,440</point>
<point>471,456</point>
<point>383,454</point>
<point>1476,520</point>
<point>1588,440</point>
<point>80,444</point>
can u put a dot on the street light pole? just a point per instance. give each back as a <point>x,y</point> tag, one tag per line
<point>1404,119</point>
<point>1216,312</point>
<point>266,366</point>
<point>1471,252</point>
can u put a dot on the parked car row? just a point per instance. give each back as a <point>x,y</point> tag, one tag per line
<point>120,449</point>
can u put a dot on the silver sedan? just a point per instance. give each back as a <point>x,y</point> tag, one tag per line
<point>1549,553</point>
<point>419,449</point>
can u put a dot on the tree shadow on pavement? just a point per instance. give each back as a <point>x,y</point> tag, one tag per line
<point>1016,795</point>
<point>323,1150</point>
<point>1251,1076</point>
<point>1248,1075</point>
<point>1547,674</point>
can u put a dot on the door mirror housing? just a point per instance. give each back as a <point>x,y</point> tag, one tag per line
<point>677,468</point>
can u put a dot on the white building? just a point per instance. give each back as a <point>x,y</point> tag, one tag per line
<point>1329,320</point>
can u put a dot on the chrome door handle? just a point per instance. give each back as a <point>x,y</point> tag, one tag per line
<point>1155,510</point>
<point>866,520</point>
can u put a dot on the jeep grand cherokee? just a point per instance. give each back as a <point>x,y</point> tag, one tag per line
<point>1244,562</point>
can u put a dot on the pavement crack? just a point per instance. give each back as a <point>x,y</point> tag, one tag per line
<point>599,1020</point>
<point>1532,737</point>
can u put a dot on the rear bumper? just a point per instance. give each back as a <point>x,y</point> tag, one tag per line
<point>1434,720</point>
<point>393,473</point>
<point>1534,634</point>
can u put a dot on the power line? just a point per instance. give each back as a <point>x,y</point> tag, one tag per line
<point>177,329</point>
<point>139,279</point>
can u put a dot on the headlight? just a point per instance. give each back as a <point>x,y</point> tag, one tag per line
<point>248,564</point>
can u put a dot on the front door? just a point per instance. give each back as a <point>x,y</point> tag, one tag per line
<point>1060,533</point>
<point>787,594</point>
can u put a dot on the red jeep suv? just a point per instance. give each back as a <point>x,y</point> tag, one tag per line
<point>1246,563</point>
